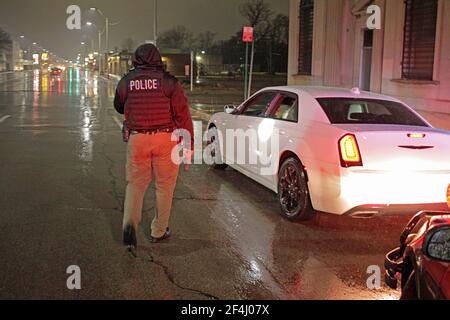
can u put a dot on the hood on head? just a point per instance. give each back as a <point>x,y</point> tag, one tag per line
<point>147,55</point>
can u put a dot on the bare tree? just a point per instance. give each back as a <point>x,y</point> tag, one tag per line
<point>5,39</point>
<point>205,40</point>
<point>258,15</point>
<point>256,11</point>
<point>128,44</point>
<point>178,37</point>
<point>276,38</point>
<point>279,29</point>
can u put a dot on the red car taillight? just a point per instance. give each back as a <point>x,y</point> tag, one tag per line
<point>349,152</point>
<point>448,195</point>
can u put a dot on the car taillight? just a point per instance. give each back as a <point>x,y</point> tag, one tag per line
<point>349,152</point>
<point>448,195</point>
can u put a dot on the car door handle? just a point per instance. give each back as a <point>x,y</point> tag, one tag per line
<point>283,133</point>
<point>250,126</point>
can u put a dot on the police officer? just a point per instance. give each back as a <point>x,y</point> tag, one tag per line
<point>154,105</point>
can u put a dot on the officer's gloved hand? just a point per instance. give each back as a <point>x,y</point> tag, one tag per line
<point>188,154</point>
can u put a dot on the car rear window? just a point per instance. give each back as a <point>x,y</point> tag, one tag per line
<point>368,111</point>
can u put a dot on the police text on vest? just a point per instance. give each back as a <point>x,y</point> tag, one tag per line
<point>147,84</point>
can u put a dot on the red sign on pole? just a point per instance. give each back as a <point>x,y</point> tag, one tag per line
<point>247,35</point>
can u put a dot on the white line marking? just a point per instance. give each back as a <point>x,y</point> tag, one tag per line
<point>119,123</point>
<point>4,118</point>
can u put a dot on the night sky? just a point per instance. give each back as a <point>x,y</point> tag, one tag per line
<point>44,21</point>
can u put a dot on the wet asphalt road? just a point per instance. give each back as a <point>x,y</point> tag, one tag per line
<point>62,188</point>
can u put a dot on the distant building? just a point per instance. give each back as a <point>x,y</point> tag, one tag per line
<point>119,63</point>
<point>16,56</point>
<point>331,45</point>
<point>10,56</point>
<point>2,61</point>
<point>210,64</point>
<point>175,62</point>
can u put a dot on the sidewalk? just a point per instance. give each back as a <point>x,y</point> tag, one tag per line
<point>112,77</point>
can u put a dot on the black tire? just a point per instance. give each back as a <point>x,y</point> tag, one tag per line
<point>293,193</point>
<point>213,150</point>
<point>409,290</point>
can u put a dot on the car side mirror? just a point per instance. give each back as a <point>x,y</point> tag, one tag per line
<point>411,225</point>
<point>230,109</point>
<point>437,244</point>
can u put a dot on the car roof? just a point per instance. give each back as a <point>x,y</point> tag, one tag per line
<point>331,92</point>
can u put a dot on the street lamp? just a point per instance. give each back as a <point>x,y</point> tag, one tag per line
<point>99,43</point>
<point>155,22</point>
<point>107,25</point>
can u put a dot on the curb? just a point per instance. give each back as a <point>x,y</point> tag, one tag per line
<point>112,77</point>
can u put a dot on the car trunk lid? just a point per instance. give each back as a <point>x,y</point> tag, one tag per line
<point>402,148</point>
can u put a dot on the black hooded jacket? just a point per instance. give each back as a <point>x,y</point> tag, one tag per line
<point>151,98</point>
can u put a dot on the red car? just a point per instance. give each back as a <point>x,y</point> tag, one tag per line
<point>55,71</point>
<point>422,262</point>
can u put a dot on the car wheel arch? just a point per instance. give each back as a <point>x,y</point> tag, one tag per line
<point>290,154</point>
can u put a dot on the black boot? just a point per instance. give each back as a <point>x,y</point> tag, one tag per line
<point>129,237</point>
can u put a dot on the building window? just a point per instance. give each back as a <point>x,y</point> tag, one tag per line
<point>306,37</point>
<point>419,39</point>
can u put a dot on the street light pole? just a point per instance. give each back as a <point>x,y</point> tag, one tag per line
<point>100,53</point>
<point>250,79</point>
<point>107,25</point>
<point>155,22</point>
<point>107,34</point>
<point>99,45</point>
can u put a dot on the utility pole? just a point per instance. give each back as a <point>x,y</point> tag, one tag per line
<point>251,70</point>
<point>246,72</point>
<point>192,71</point>
<point>99,52</point>
<point>155,22</point>
<point>247,37</point>
<point>107,35</point>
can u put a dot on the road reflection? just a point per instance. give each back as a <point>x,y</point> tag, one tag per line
<point>326,258</point>
<point>75,89</point>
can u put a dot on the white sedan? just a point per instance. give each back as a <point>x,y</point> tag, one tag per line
<point>332,150</point>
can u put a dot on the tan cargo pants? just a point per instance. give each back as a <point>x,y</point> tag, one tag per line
<point>149,155</point>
